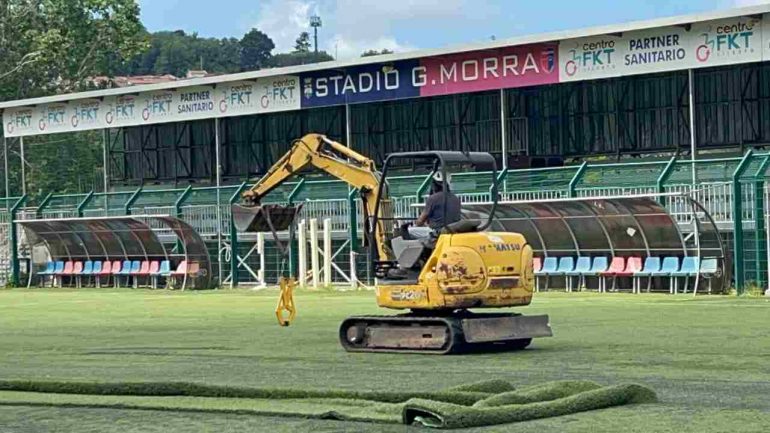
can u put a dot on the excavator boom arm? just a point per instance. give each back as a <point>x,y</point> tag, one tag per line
<point>316,150</point>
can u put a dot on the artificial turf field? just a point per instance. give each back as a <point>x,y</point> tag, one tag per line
<point>708,358</point>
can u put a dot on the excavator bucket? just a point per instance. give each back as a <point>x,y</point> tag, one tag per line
<point>265,218</point>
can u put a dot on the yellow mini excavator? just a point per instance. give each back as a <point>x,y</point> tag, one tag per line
<point>438,278</point>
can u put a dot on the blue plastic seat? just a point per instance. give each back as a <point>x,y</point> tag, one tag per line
<point>549,266</point>
<point>670,266</point>
<point>97,268</point>
<point>49,269</point>
<point>566,264</point>
<point>709,267</point>
<point>88,268</point>
<point>59,268</point>
<point>136,265</point>
<point>651,267</point>
<point>125,268</point>
<point>582,267</point>
<point>600,265</point>
<point>165,268</point>
<point>690,267</point>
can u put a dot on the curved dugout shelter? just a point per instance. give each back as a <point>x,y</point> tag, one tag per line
<point>614,227</point>
<point>124,239</point>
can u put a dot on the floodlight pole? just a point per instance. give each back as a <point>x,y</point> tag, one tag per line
<point>219,203</point>
<point>315,23</point>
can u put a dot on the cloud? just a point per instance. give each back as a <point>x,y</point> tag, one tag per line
<point>741,3</point>
<point>351,27</point>
<point>284,20</point>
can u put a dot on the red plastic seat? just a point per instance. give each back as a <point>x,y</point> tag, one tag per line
<point>78,268</point>
<point>617,267</point>
<point>633,265</point>
<point>194,268</point>
<point>144,269</point>
<point>69,267</point>
<point>106,268</point>
<point>116,267</point>
<point>537,263</point>
<point>154,267</point>
<point>181,269</point>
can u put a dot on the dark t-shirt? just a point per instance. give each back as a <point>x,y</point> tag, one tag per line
<point>438,215</point>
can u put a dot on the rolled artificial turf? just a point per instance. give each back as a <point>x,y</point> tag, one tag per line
<point>475,404</point>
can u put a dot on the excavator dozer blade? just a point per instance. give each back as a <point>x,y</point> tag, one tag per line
<point>265,218</point>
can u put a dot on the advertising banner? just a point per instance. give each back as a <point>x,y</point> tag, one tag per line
<point>712,43</point>
<point>264,95</point>
<point>509,67</point>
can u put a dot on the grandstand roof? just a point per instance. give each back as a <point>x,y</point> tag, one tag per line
<point>522,40</point>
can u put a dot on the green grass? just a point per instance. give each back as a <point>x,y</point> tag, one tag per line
<point>706,358</point>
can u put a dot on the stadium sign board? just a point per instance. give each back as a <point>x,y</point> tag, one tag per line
<point>731,40</point>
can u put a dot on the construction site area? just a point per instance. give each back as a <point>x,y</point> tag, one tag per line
<point>610,184</point>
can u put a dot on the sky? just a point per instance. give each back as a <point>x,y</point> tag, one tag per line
<point>353,26</point>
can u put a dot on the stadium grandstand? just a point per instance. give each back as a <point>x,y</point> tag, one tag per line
<point>675,107</point>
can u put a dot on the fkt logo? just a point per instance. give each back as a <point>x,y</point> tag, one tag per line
<point>591,56</point>
<point>726,40</point>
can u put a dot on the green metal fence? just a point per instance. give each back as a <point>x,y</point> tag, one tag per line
<point>733,190</point>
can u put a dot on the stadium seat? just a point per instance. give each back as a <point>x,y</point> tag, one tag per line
<point>105,271</point>
<point>582,267</point>
<point>599,266</point>
<point>77,272</point>
<point>163,271</point>
<point>669,266</point>
<point>143,271</point>
<point>690,268</point>
<point>549,266</point>
<point>153,273</point>
<point>133,269</point>
<point>117,267</point>
<point>69,266</point>
<point>651,268</point>
<point>537,264</point>
<point>566,265</point>
<point>617,268</point>
<point>96,270</point>
<point>193,269</point>
<point>709,268</point>
<point>47,272</point>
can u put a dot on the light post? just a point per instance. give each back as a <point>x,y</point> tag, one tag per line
<point>315,23</point>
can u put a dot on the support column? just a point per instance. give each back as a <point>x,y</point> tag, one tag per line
<point>314,252</point>
<point>23,167</point>
<point>503,132</point>
<point>737,208</point>
<point>219,203</point>
<point>693,145</point>
<point>5,160</point>
<point>105,170</point>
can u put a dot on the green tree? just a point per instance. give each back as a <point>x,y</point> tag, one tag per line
<point>369,53</point>
<point>50,46</point>
<point>256,50</point>
<point>54,46</point>
<point>299,58</point>
<point>302,44</point>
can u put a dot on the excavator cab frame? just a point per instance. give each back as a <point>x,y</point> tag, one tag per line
<point>444,162</point>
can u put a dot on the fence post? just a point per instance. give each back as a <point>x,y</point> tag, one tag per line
<point>576,178</point>
<point>353,233</point>
<point>234,239</point>
<point>292,249</point>
<point>422,188</point>
<point>43,204</point>
<point>314,251</point>
<point>663,178</point>
<point>302,250</point>
<point>327,252</point>
<point>760,243</point>
<point>13,240</point>
<point>261,252</point>
<point>131,200</point>
<point>82,205</point>
<point>740,278</point>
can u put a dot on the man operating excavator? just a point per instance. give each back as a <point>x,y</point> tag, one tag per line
<point>441,208</point>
